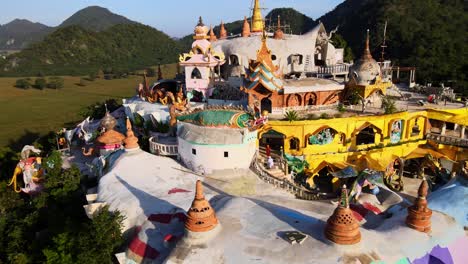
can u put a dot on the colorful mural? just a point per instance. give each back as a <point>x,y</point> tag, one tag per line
<point>323,137</point>
<point>395,132</point>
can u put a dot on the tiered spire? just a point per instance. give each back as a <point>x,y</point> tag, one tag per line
<point>278,33</point>
<point>212,35</point>
<point>201,216</point>
<point>342,227</point>
<point>131,142</point>
<point>222,31</point>
<point>419,216</point>
<point>367,54</point>
<point>257,20</point>
<point>264,54</point>
<point>201,30</point>
<point>246,28</point>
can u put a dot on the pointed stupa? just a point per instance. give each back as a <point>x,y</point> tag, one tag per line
<point>342,228</point>
<point>201,30</point>
<point>131,142</point>
<point>257,19</point>
<point>222,31</point>
<point>419,215</point>
<point>200,217</point>
<point>246,28</point>
<point>212,35</point>
<point>278,33</point>
<point>264,54</point>
<point>366,69</point>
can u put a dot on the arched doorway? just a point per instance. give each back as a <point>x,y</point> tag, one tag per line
<point>274,139</point>
<point>366,136</point>
<point>266,105</point>
<point>294,100</point>
<point>196,74</point>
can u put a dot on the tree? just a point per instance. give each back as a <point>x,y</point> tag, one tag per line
<point>339,42</point>
<point>55,83</point>
<point>40,83</point>
<point>23,83</point>
<point>389,105</point>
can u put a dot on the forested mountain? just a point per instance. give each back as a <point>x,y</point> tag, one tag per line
<point>95,18</point>
<point>20,32</point>
<point>75,51</point>
<point>428,34</point>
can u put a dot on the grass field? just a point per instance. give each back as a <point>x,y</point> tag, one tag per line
<point>26,114</point>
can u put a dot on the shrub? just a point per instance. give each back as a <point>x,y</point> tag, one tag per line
<point>338,115</point>
<point>312,117</point>
<point>55,83</point>
<point>389,105</point>
<point>40,83</point>
<point>291,115</point>
<point>324,116</point>
<point>341,108</point>
<point>23,83</point>
<point>82,82</point>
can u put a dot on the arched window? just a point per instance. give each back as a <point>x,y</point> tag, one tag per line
<point>366,136</point>
<point>234,60</point>
<point>323,137</point>
<point>294,144</point>
<point>273,57</point>
<point>196,74</point>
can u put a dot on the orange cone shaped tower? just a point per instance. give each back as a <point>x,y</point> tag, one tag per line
<point>222,31</point>
<point>131,142</point>
<point>342,228</point>
<point>419,216</point>
<point>246,28</point>
<point>278,33</point>
<point>212,35</point>
<point>201,216</point>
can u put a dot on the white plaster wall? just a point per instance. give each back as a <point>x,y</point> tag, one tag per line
<point>211,157</point>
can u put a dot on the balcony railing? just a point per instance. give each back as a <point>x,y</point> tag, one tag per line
<point>448,140</point>
<point>333,69</point>
<point>163,149</point>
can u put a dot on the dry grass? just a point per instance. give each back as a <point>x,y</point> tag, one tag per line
<point>26,114</point>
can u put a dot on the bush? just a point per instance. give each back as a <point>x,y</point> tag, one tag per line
<point>23,83</point>
<point>98,110</point>
<point>291,115</point>
<point>55,83</point>
<point>40,83</point>
<point>341,108</point>
<point>312,117</point>
<point>389,105</point>
<point>324,116</point>
<point>338,115</point>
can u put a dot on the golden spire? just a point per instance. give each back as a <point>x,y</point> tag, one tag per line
<point>278,33</point>
<point>246,28</point>
<point>222,31</point>
<point>212,35</point>
<point>367,54</point>
<point>257,20</point>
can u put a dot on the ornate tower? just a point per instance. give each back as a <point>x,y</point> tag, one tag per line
<point>257,19</point>
<point>278,33</point>
<point>201,216</point>
<point>246,28</point>
<point>341,227</point>
<point>131,142</point>
<point>419,216</point>
<point>212,35</point>
<point>222,31</point>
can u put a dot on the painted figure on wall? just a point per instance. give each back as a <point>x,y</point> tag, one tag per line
<point>323,137</point>
<point>395,133</point>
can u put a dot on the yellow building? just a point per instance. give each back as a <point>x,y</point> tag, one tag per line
<point>378,142</point>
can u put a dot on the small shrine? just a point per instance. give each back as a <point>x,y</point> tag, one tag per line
<point>419,215</point>
<point>202,64</point>
<point>365,77</point>
<point>201,216</point>
<point>110,140</point>
<point>342,228</point>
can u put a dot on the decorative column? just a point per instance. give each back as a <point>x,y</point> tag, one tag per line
<point>419,216</point>
<point>462,132</point>
<point>342,228</point>
<point>444,128</point>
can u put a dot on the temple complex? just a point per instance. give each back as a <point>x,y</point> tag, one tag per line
<point>419,215</point>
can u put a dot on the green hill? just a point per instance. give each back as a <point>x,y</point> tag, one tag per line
<point>76,51</point>
<point>95,18</point>
<point>428,34</point>
<point>21,32</point>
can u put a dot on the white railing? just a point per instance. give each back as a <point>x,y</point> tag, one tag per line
<point>333,69</point>
<point>162,149</point>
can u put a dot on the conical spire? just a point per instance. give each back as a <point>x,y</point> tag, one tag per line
<point>200,21</point>
<point>222,31</point>
<point>342,227</point>
<point>246,28</point>
<point>212,35</point>
<point>419,215</point>
<point>278,33</point>
<point>201,216</point>
<point>131,142</point>
<point>367,54</point>
<point>201,30</point>
<point>257,20</point>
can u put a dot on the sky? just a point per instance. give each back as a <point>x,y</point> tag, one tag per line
<point>176,18</point>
